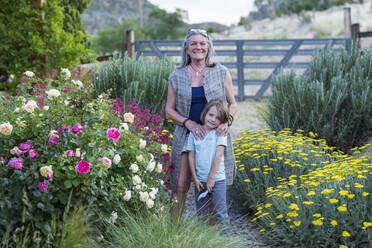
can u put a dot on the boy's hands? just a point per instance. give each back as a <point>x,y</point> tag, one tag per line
<point>210,184</point>
<point>199,186</point>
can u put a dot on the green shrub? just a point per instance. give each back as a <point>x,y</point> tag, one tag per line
<point>24,45</point>
<point>145,81</point>
<point>159,230</point>
<point>55,138</point>
<point>333,99</point>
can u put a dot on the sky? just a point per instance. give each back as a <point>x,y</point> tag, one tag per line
<point>222,11</point>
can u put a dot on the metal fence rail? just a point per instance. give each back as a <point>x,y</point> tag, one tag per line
<point>242,48</point>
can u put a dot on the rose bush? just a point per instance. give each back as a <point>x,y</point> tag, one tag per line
<point>55,139</point>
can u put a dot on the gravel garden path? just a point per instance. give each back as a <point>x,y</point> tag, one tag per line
<point>247,117</point>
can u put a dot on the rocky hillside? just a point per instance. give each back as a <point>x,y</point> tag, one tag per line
<point>319,24</point>
<point>109,13</point>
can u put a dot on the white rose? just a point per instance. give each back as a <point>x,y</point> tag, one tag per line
<point>153,193</point>
<point>136,179</point>
<point>128,195</point>
<point>123,126</point>
<point>53,93</point>
<point>154,190</point>
<point>164,148</point>
<point>114,216</point>
<point>30,106</point>
<point>6,128</point>
<point>11,78</point>
<point>78,83</point>
<point>149,203</point>
<point>138,187</point>
<point>53,133</point>
<point>41,115</point>
<point>142,143</point>
<point>29,74</point>
<point>117,159</point>
<point>16,110</point>
<point>46,170</point>
<point>128,117</point>
<point>151,166</point>
<point>159,168</point>
<point>134,168</point>
<point>144,186</point>
<point>14,150</point>
<point>77,152</point>
<point>144,196</point>
<point>66,72</point>
<point>139,158</point>
<point>46,107</point>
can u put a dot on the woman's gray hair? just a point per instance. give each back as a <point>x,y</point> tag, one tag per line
<point>186,60</point>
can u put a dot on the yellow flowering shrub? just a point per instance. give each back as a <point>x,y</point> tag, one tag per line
<point>321,201</point>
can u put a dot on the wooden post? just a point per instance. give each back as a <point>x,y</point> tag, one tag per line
<point>347,22</point>
<point>130,43</point>
<point>355,28</point>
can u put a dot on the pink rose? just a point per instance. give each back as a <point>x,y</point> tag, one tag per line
<point>77,128</point>
<point>16,163</point>
<point>49,176</point>
<point>66,127</point>
<point>25,146</point>
<point>106,161</point>
<point>69,153</point>
<point>83,167</point>
<point>113,134</point>
<point>1,159</point>
<point>33,154</point>
<point>53,139</point>
<point>43,187</point>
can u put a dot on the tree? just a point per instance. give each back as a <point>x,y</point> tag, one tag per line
<point>113,39</point>
<point>56,38</point>
<point>167,26</point>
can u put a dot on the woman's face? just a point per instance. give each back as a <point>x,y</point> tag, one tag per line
<point>198,47</point>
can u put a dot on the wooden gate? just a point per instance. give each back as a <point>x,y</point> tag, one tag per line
<point>239,56</point>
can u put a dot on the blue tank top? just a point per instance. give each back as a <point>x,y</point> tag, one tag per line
<point>198,101</point>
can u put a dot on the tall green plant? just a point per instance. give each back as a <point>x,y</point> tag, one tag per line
<point>334,98</point>
<point>159,230</point>
<point>135,78</point>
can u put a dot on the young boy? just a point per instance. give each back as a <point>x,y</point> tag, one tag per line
<point>206,161</point>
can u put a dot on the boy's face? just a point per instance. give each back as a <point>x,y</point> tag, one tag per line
<point>211,118</point>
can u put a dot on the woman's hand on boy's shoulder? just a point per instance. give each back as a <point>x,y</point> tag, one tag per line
<point>222,129</point>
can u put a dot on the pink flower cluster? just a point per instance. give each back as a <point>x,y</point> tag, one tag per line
<point>146,119</point>
<point>16,163</point>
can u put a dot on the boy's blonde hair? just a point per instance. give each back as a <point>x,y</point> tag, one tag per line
<point>223,112</point>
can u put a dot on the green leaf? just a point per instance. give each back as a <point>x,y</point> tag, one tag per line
<point>68,184</point>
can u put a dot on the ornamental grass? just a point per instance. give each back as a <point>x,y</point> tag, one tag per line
<point>306,193</point>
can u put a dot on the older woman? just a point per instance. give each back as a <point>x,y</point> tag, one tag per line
<point>194,83</point>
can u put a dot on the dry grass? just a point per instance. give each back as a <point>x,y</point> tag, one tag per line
<point>248,117</point>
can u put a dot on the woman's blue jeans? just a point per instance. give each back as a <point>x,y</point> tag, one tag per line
<point>218,197</point>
